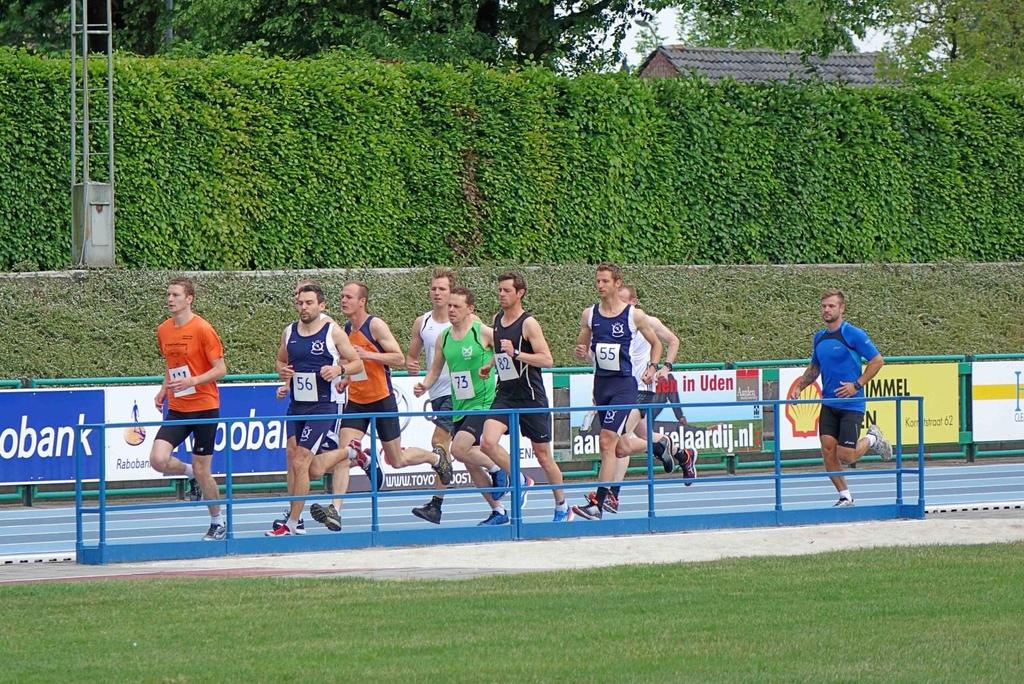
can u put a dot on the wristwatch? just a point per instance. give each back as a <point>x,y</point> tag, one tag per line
<point>857,385</point>
<point>667,364</point>
<point>515,353</point>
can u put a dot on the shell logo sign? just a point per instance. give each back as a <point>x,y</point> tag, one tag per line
<point>804,417</point>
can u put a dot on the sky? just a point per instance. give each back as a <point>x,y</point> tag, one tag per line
<point>875,40</point>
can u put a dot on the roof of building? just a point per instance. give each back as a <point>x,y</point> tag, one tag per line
<point>770,65</point>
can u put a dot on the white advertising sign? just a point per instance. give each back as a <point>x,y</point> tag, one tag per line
<point>997,399</point>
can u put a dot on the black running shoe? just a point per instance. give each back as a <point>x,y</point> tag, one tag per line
<point>328,517</point>
<point>611,502</point>
<point>194,492</point>
<point>430,511</point>
<point>364,461</point>
<point>444,466</point>
<point>279,523</point>
<point>689,465</point>
<point>588,512</point>
<point>660,451</point>
<point>215,533</point>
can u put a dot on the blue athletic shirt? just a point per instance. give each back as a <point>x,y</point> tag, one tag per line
<point>611,342</point>
<point>307,355</point>
<point>840,355</point>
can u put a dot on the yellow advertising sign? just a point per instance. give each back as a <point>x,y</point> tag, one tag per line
<point>938,383</point>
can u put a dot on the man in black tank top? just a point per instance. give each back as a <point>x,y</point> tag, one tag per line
<point>520,351</point>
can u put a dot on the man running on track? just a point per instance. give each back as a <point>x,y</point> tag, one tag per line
<point>371,392</point>
<point>520,351</point>
<point>837,353</point>
<point>314,352</point>
<point>609,334</point>
<point>195,362</point>
<point>465,349</point>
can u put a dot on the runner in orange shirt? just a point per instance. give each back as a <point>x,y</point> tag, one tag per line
<point>370,392</point>
<point>195,361</point>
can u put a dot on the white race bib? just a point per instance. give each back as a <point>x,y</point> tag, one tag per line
<point>607,356</point>
<point>304,387</point>
<point>506,369</point>
<point>462,385</point>
<point>181,373</point>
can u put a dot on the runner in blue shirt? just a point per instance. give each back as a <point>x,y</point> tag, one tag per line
<point>839,349</point>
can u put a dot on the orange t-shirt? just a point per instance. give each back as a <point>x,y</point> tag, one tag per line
<point>374,383</point>
<point>194,346</point>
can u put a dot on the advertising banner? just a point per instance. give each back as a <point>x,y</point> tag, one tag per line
<point>708,430</point>
<point>938,383</point>
<point>997,399</point>
<point>37,434</point>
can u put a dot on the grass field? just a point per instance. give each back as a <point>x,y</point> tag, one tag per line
<point>924,614</point>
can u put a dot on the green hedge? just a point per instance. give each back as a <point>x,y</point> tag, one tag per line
<point>103,323</point>
<point>247,163</point>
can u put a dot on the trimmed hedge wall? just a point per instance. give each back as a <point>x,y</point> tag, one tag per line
<point>246,163</point>
<point>103,323</point>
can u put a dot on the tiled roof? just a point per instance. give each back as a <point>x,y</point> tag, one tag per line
<point>769,65</point>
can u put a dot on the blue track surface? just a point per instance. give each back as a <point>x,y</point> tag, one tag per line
<point>51,531</point>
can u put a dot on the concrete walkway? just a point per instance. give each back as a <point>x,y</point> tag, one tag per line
<point>474,560</point>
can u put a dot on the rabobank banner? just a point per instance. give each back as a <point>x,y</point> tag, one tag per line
<point>257,446</point>
<point>37,434</point>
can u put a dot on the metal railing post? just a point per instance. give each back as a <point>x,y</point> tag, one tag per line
<point>374,465</point>
<point>76,454</point>
<point>228,467</point>
<point>517,487</point>
<point>649,413</point>
<point>899,459</point>
<point>102,458</point>
<point>920,453</point>
<point>777,453</point>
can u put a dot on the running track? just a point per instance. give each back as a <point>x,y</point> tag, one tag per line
<point>43,534</point>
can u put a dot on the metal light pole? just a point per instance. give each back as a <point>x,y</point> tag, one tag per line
<point>92,182</point>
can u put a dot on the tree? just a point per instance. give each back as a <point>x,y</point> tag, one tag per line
<point>572,35</point>
<point>960,39</point>
<point>812,26</point>
<point>966,39</point>
<point>44,25</point>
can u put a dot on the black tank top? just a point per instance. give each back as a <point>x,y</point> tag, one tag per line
<point>527,383</point>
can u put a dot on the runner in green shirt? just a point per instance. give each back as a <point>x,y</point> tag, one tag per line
<point>467,347</point>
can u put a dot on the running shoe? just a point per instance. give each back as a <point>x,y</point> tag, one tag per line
<point>328,517</point>
<point>444,465</point>
<point>564,516</point>
<point>843,503</point>
<point>299,529</point>
<point>499,479</point>
<point>430,511</point>
<point>217,532</point>
<point>589,512</point>
<point>689,457</point>
<point>882,446</point>
<point>611,502</point>
<point>281,530</point>
<point>523,491</point>
<point>365,461</point>
<point>660,451</point>
<point>495,518</point>
<point>194,492</point>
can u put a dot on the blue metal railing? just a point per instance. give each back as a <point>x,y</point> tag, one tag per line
<point>103,551</point>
